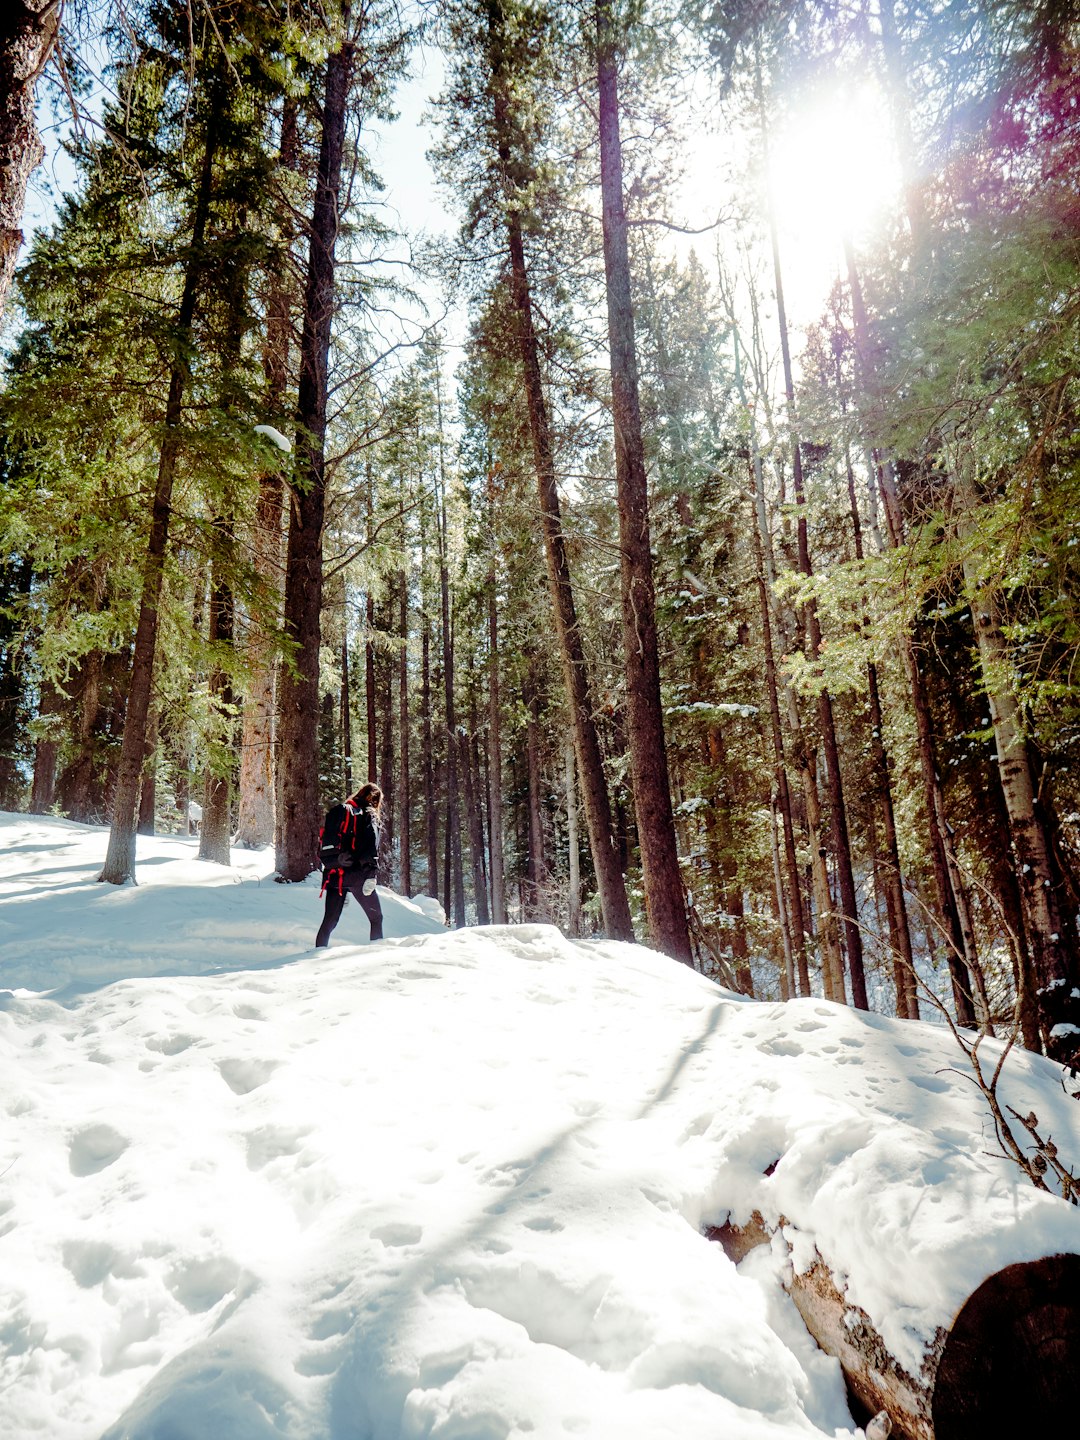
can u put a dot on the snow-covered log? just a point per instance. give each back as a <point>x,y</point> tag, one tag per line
<point>1008,1363</point>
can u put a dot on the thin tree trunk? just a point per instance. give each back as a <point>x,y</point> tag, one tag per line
<point>476,831</point>
<point>664,898</point>
<point>961,954</point>
<point>119,864</point>
<point>255,825</point>
<point>346,711</point>
<point>611,884</point>
<point>453,831</point>
<point>791,910</point>
<point>430,815</point>
<point>47,748</point>
<point>787,976</point>
<point>573,859</point>
<point>536,871</point>
<point>370,692</point>
<point>385,687</point>
<point>28,36</point>
<point>404,773</point>
<point>841,843</point>
<point>148,789</point>
<point>217,790</point>
<point>907,1003</point>
<point>299,708</point>
<point>1053,951</point>
<point>495,829</point>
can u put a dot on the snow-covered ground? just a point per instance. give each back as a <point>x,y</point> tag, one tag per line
<point>451,1185</point>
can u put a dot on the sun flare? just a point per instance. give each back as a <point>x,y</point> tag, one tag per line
<point>833,166</point>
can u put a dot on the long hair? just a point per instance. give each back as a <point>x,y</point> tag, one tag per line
<point>368,797</point>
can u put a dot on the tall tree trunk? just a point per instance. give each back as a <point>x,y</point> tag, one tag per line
<point>15,580</point>
<point>119,864</point>
<point>46,750</point>
<point>431,819</point>
<point>456,885</point>
<point>791,906</point>
<point>476,831</point>
<point>345,718</point>
<point>1053,950</point>
<point>28,34</point>
<point>299,706</point>
<point>536,869</point>
<point>614,904</point>
<point>256,822</point>
<point>573,858</point>
<point>404,772</point>
<point>388,780</point>
<point>148,790</point>
<point>664,899</point>
<point>907,1002</point>
<point>961,956</point>
<point>217,787</point>
<point>841,844</point>
<point>495,827</point>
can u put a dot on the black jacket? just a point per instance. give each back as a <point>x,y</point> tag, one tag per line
<point>350,839</point>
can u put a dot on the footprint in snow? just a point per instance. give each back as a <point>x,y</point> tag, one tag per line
<point>397,1233</point>
<point>243,1076</point>
<point>95,1149</point>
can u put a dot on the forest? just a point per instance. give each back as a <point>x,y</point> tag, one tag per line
<point>653,613</point>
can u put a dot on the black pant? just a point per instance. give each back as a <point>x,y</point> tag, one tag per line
<point>340,883</point>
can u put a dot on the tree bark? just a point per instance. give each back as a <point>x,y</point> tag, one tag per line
<point>476,832</point>
<point>431,818</point>
<point>495,827</point>
<point>1053,951</point>
<point>573,919</point>
<point>841,843</point>
<point>404,772</point>
<point>536,868</point>
<point>1022,1320</point>
<point>29,31</point>
<point>792,913</point>
<point>614,905</point>
<point>299,701</point>
<point>119,864</point>
<point>664,898</point>
<point>961,955</point>
<point>907,1002</point>
<point>256,821</point>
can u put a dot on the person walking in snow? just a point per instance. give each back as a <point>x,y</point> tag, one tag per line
<point>349,855</point>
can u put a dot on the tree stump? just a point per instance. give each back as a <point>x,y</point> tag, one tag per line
<point>1008,1361</point>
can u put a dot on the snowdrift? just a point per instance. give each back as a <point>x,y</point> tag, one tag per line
<point>454,1184</point>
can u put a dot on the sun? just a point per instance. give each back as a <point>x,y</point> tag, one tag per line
<point>833,166</point>
<point>833,173</point>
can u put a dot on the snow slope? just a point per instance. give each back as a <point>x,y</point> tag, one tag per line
<point>450,1185</point>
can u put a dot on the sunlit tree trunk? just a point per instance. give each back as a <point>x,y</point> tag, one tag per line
<point>841,843</point>
<point>664,898</point>
<point>907,1003</point>
<point>299,699</point>
<point>29,30</point>
<point>537,868</point>
<point>953,911</point>
<point>256,819</point>
<point>1053,950</point>
<point>404,771</point>
<point>119,864</point>
<point>148,789</point>
<point>573,858</point>
<point>495,767</point>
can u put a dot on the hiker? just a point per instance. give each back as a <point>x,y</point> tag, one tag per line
<point>349,856</point>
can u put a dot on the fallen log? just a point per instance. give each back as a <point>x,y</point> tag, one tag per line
<point>1009,1362</point>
